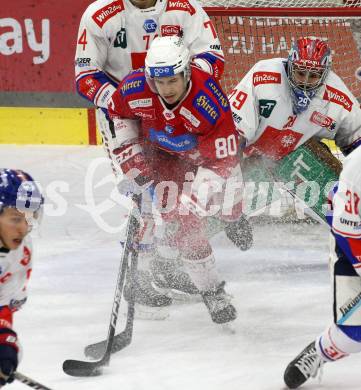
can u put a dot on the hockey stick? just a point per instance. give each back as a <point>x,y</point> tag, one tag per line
<point>29,382</point>
<point>124,338</point>
<point>86,368</point>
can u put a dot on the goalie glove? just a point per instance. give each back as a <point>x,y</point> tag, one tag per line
<point>8,355</point>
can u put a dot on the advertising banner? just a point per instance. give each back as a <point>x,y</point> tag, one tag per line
<point>37,44</point>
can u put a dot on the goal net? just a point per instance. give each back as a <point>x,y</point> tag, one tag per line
<point>251,30</point>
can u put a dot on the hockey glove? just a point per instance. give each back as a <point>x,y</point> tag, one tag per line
<point>240,233</point>
<point>134,183</point>
<point>206,185</point>
<point>8,355</point>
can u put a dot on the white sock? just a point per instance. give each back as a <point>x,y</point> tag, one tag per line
<point>333,344</point>
<point>203,273</point>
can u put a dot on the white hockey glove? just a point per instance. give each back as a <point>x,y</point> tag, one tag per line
<point>206,186</point>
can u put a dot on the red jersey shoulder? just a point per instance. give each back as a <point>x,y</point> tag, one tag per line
<point>134,84</point>
<point>135,92</point>
<point>180,5</point>
<point>108,11</point>
<point>209,100</point>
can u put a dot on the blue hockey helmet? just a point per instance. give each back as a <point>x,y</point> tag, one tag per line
<point>19,190</point>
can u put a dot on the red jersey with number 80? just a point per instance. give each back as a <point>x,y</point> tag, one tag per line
<point>199,128</point>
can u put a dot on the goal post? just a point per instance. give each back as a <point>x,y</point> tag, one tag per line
<point>252,30</point>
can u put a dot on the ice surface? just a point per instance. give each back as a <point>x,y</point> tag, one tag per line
<point>281,289</point>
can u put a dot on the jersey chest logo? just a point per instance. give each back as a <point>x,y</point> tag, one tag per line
<point>169,29</point>
<point>150,26</point>
<point>181,143</point>
<point>121,39</point>
<point>266,107</point>
<point>323,121</point>
<point>206,107</point>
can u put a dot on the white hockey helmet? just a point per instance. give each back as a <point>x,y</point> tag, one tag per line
<point>167,56</point>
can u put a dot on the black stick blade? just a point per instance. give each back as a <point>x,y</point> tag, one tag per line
<point>97,350</point>
<point>81,368</point>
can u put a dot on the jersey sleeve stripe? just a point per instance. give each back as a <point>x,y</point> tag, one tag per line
<point>100,92</point>
<point>346,234</point>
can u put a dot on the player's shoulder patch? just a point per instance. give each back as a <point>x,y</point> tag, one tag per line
<point>133,83</point>
<point>206,107</point>
<point>338,97</point>
<point>106,12</point>
<point>266,77</point>
<point>217,93</point>
<point>180,5</point>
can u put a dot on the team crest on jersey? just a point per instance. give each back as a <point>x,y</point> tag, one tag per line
<point>218,94</point>
<point>189,116</point>
<point>168,114</point>
<point>150,26</point>
<point>169,129</point>
<point>104,14</point>
<point>121,38</point>
<point>266,107</point>
<point>266,78</point>
<point>206,107</point>
<point>180,5</point>
<point>288,141</point>
<point>170,29</point>
<point>181,143</point>
<point>133,86</point>
<point>335,96</point>
<point>139,103</point>
<point>322,120</point>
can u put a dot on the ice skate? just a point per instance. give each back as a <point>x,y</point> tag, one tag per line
<point>150,303</point>
<point>219,306</point>
<point>169,277</point>
<point>304,366</point>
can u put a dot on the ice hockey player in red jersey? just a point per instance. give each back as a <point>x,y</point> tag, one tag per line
<point>20,204</point>
<point>184,132</point>
<point>113,38</point>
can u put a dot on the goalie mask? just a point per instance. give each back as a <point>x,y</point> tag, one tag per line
<point>308,65</point>
<point>167,57</point>
<point>19,190</point>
